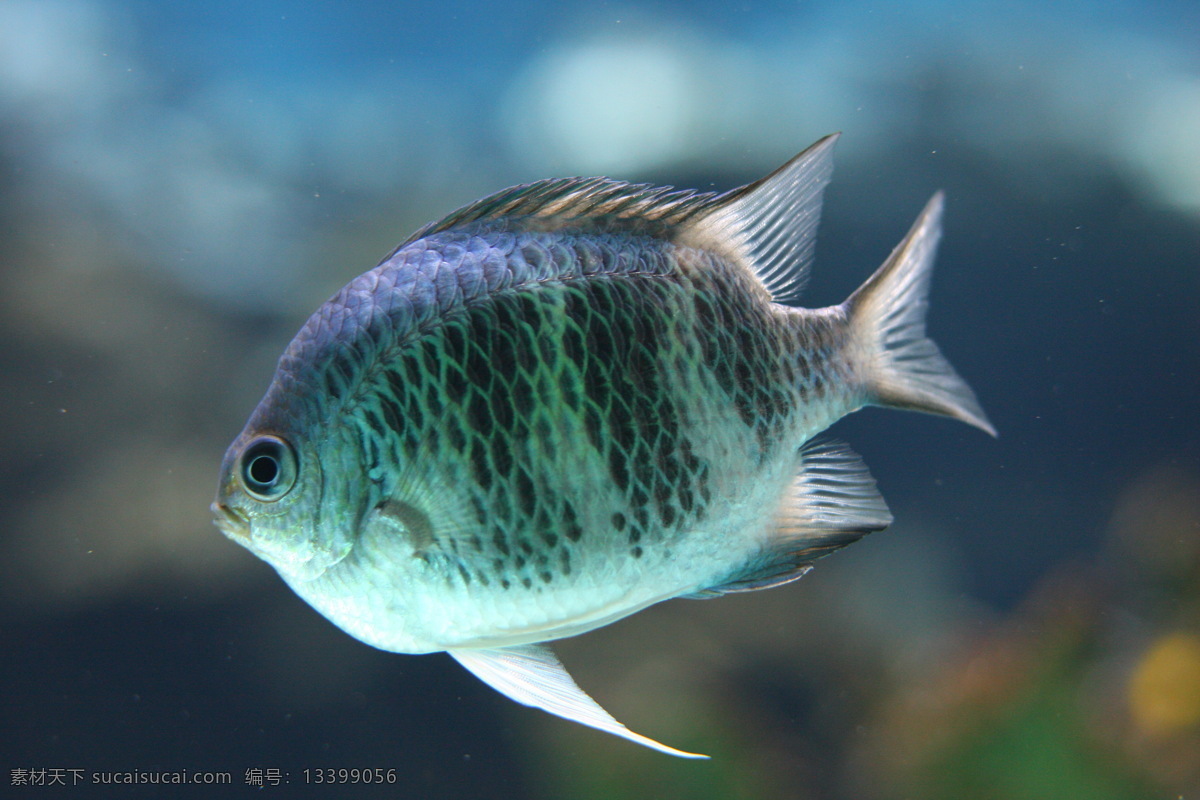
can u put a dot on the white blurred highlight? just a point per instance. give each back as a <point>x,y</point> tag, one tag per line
<point>617,106</point>
<point>1163,142</point>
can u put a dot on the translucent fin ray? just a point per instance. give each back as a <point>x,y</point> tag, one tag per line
<point>769,226</point>
<point>887,320</point>
<point>772,222</point>
<point>832,502</point>
<point>533,676</point>
<point>576,200</point>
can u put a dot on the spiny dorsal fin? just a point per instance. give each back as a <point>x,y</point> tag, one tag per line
<point>577,199</point>
<point>768,226</point>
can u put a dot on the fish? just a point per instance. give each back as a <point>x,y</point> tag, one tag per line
<point>571,400</point>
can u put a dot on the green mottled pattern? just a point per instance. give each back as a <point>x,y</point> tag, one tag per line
<point>572,426</point>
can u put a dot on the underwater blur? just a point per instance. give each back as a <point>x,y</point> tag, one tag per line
<point>183,183</point>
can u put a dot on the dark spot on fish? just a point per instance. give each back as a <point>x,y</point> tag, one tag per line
<point>479,464</point>
<point>344,364</point>
<point>521,397</point>
<point>573,346</point>
<point>547,349</point>
<point>667,514</point>
<point>525,493</point>
<point>550,538</point>
<point>506,583</point>
<point>668,462</point>
<point>618,521</point>
<point>504,314</point>
<point>545,576</point>
<point>501,456</point>
<point>433,400</point>
<point>456,383</point>
<point>526,547</point>
<point>413,371</point>
<point>501,544</point>
<point>763,434</point>
<point>519,561</point>
<point>501,406</point>
<point>690,462</point>
<point>639,497</point>
<point>570,391</point>
<point>635,535</point>
<point>530,308</point>
<point>616,468</point>
<point>458,439</point>
<point>593,425</point>
<point>662,493</point>
<point>641,517</point>
<point>636,552</point>
<point>601,344</point>
<point>477,369</point>
<point>643,369</point>
<point>573,530</point>
<point>413,411</point>
<point>800,365</point>
<point>395,383</point>
<point>479,414</point>
<point>545,437</point>
<point>454,343</point>
<point>391,414</point>
<point>525,350</point>
<point>466,575</point>
<point>527,583</point>
<point>564,559</point>
<point>741,371</point>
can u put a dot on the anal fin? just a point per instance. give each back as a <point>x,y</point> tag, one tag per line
<point>832,502</point>
<point>533,676</point>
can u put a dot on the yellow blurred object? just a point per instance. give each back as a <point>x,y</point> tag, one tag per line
<point>1164,690</point>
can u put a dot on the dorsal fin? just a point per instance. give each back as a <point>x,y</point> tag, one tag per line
<point>768,226</point>
<point>772,223</point>
<point>577,199</point>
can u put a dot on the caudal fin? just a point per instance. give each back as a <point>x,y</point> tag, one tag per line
<point>904,368</point>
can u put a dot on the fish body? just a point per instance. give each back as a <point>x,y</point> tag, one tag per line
<point>569,401</point>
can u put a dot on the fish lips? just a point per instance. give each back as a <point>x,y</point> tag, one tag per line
<point>231,523</point>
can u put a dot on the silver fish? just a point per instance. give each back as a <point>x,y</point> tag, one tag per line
<point>571,400</point>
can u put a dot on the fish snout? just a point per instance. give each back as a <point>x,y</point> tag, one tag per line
<point>231,523</point>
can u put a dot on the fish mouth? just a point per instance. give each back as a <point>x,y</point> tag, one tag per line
<point>231,523</point>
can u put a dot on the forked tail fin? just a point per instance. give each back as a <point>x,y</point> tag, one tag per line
<point>902,367</point>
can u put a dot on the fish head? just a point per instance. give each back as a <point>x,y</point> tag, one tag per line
<point>269,500</point>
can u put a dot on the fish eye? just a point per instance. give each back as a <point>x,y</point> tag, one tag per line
<point>268,468</point>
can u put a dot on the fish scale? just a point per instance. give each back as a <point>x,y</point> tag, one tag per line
<point>636,423</point>
<point>572,400</point>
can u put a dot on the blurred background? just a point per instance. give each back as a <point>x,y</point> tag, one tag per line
<point>182,184</point>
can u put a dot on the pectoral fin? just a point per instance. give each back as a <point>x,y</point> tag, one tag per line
<point>533,676</point>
